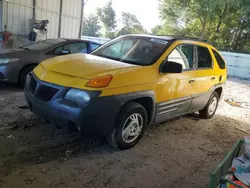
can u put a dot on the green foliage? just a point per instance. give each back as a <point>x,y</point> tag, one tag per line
<point>107,17</point>
<point>91,26</point>
<point>131,25</point>
<point>225,23</point>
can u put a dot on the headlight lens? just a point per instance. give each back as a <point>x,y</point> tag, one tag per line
<point>78,96</point>
<point>5,61</point>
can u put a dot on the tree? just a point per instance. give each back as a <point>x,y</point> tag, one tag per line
<point>91,26</point>
<point>225,23</point>
<point>108,17</point>
<point>131,25</point>
<point>157,30</point>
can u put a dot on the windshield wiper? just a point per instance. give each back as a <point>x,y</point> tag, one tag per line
<point>118,59</point>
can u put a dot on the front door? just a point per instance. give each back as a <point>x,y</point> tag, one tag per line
<point>175,90</point>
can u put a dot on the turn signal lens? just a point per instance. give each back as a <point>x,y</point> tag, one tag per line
<point>102,81</point>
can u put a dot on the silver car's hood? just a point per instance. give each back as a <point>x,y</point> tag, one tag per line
<point>7,51</point>
<point>18,53</point>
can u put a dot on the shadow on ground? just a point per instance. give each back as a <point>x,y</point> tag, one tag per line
<point>172,150</point>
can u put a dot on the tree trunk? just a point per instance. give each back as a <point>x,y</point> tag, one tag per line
<point>203,27</point>
<point>221,17</point>
<point>235,42</point>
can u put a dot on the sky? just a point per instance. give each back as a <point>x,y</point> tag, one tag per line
<point>145,10</point>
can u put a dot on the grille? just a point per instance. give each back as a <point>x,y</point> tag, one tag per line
<point>46,93</point>
<point>33,84</point>
<point>1,76</point>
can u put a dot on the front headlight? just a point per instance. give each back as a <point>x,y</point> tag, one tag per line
<point>27,81</point>
<point>78,96</point>
<point>5,61</point>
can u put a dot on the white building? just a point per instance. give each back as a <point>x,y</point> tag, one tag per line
<point>65,17</point>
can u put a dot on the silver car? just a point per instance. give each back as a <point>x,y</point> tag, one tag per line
<point>16,63</point>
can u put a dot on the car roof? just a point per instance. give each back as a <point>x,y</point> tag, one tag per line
<point>169,37</point>
<point>79,40</point>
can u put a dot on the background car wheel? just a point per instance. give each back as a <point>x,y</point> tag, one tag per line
<point>130,126</point>
<point>23,75</point>
<point>211,107</point>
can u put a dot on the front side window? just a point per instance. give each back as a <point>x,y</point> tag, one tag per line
<point>133,50</point>
<point>94,46</point>
<point>204,58</point>
<point>219,60</point>
<point>184,55</point>
<point>77,47</point>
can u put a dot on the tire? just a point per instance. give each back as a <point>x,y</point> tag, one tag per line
<point>23,75</point>
<point>207,112</point>
<point>119,139</point>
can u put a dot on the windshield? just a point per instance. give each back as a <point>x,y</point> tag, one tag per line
<point>43,45</point>
<point>134,50</point>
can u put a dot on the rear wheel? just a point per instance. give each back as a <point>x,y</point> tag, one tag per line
<point>130,126</point>
<point>23,75</point>
<point>211,107</point>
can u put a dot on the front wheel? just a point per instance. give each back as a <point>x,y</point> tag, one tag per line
<point>211,107</point>
<point>130,126</point>
<point>23,75</point>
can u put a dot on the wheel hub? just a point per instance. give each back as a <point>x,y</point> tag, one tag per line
<point>212,106</point>
<point>132,128</point>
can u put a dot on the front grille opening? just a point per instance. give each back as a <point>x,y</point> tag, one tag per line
<point>2,76</point>
<point>73,127</point>
<point>33,84</point>
<point>58,126</point>
<point>47,121</point>
<point>46,93</point>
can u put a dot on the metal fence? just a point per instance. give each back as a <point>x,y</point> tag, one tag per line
<point>238,65</point>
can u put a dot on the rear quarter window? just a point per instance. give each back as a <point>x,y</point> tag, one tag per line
<point>204,58</point>
<point>219,60</point>
<point>94,46</point>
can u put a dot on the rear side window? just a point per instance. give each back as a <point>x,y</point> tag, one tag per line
<point>219,60</point>
<point>204,58</point>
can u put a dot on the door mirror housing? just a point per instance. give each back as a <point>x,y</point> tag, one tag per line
<point>171,67</point>
<point>64,52</point>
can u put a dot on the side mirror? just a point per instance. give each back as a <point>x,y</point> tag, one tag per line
<point>64,52</point>
<point>171,67</point>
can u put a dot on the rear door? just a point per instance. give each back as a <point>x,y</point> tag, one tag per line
<point>206,78</point>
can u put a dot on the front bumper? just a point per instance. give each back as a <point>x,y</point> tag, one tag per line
<point>97,116</point>
<point>8,74</point>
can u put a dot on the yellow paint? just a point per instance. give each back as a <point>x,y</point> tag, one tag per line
<point>77,69</point>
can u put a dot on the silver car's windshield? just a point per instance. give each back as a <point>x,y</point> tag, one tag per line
<point>134,50</point>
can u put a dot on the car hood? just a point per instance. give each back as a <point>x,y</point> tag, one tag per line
<point>8,51</point>
<point>14,53</point>
<point>77,69</point>
<point>85,66</point>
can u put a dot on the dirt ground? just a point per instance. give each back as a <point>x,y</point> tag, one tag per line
<point>178,153</point>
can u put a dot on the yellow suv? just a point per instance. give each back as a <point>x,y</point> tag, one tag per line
<point>128,83</point>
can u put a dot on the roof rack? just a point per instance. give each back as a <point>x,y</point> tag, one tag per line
<point>179,37</point>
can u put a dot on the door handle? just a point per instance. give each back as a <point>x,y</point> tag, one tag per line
<point>213,78</point>
<point>191,81</point>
